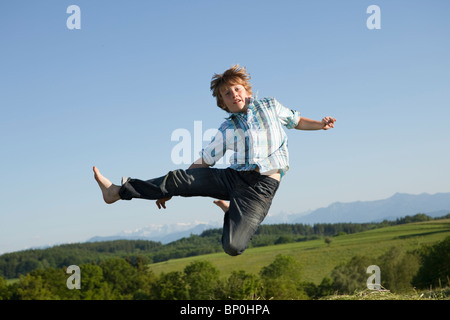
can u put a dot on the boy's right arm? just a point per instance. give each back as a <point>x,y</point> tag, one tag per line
<point>199,163</point>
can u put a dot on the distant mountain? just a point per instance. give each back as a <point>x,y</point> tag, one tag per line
<point>397,206</point>
<point>162,233</point>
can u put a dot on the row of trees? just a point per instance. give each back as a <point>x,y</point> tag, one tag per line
<point>424,268</point>
<point>124,279</point>
<point>13,265</point>
<point>282,279</point>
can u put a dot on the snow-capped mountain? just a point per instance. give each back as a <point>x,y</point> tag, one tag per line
<point>163,233</point>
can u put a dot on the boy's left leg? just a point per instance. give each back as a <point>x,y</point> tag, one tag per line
<point>200,182</point>
<point>207,182</point>
<point>249,205</point>
<point>109,190</point>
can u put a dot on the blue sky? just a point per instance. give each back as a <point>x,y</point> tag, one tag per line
<point>111,94</point>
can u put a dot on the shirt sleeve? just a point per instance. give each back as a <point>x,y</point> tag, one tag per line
<point>288,117</point>
<point>217,147</point>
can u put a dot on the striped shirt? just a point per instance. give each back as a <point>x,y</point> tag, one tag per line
<point>256,137</point>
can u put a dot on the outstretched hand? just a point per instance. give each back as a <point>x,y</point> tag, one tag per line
<point>328,123</point>
<point>162,202</point>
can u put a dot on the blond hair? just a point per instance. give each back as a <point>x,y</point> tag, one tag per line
<point>235,75</point>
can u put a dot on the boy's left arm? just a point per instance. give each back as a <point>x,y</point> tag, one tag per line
<point>308,124</point>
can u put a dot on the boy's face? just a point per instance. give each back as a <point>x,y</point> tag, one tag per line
<point>235,97</point>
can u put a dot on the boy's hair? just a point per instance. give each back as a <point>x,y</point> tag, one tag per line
<point>235,75</point>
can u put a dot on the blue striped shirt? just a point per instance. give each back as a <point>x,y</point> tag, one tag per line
<point>256,137</point>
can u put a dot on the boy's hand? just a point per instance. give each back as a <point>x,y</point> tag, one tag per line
<point>328,123</point>
<point>162,202</point>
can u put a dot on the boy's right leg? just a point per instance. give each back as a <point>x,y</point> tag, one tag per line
<point>200,182</point>
<point>249,204</point>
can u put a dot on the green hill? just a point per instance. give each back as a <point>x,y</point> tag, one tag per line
<point>409,255</point>
<point>317,257</point>
<point>299,240</point>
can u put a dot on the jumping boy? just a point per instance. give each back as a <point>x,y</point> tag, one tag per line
<point>254,132</point>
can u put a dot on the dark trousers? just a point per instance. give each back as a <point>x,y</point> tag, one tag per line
<point>250,195</point>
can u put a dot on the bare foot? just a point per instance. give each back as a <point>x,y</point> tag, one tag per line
<point>222,204</point>
<point>110,191</point>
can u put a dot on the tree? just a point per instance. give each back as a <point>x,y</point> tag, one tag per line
<point>282,279</point>
<point>171,286</point>
<point>32,287</point>
<point>284,239</point>
<point>122,277</point>
<point>241,285</point>
<point>93,284</point>
<point>347,278</point>
<point>398,269</point>
<point>4,290</point>
<point>202,279</point>
<point>435,268</point>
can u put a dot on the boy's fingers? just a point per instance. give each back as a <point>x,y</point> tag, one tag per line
<point>160,203</point>
<point>330,121</point>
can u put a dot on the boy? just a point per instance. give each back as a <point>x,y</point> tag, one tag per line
<point>253,131</point>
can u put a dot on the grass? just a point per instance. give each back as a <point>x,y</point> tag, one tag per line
<point>440,294</point>
<point>316,257</point>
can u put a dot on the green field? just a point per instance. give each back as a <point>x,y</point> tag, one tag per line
<point>316,257</point>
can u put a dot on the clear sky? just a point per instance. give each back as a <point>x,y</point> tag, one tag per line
<point>112,93</point>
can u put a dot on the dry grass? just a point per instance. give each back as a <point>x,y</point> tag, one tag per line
<point>439,294</point>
